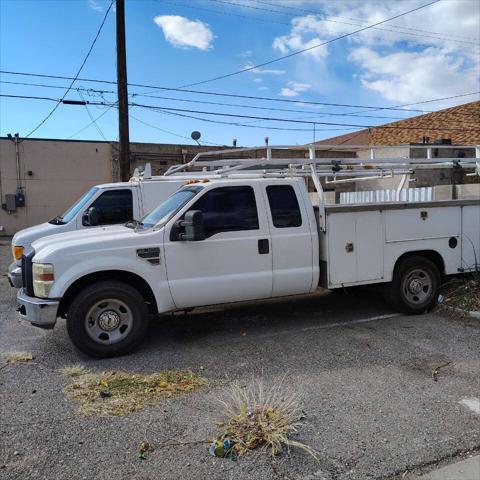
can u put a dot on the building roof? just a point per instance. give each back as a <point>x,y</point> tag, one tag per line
<point>460,124</point>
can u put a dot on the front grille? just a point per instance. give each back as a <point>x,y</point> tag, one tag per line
<point>27,274</point>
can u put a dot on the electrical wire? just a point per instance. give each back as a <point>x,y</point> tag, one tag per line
<point>236,115</point>
<point>97,127</point>
<point>77,74</point>
<point>236,105</point>
<point>303,50</point>
<point>252,97</point>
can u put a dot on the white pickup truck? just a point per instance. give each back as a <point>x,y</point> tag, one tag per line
<point>107,204</point>
<point>243,237</point>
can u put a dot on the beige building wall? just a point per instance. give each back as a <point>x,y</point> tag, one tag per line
<point>54,175</point>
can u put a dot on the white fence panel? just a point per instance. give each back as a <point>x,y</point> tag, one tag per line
<point>421,194</point>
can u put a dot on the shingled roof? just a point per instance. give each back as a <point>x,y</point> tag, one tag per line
<point>460,124</point>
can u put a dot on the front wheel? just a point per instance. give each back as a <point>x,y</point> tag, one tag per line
<point>415,284</point>
<point>107,319</point>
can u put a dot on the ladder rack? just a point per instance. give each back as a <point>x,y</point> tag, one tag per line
<point>339,169</point>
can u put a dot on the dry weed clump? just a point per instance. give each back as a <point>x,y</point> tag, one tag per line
<point>117,393</point>
<point>20,357</point>
<point>257,417</point>
<point>463,293</point>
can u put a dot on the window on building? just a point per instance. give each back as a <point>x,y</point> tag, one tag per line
<point>284,206</point>
<point>114,206</point>
<point>228,209</point>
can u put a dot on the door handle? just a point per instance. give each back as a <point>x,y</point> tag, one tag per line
<point>263,246</point>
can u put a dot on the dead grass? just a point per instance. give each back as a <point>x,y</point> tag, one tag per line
<point>118,393</point>
<point>257,417</point>
<point>463,293</point>
<point>20,357</point>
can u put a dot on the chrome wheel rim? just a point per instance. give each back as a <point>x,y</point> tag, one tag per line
<point>417,286</point>
<point>109,321</point>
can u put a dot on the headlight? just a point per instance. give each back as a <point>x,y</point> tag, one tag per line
<point>17,252</point>
<point>43,278</point>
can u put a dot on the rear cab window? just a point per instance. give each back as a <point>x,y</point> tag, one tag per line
<point>284,206</point>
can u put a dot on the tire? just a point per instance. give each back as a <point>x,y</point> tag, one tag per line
<point>107,319</point>
<point>415,284</point>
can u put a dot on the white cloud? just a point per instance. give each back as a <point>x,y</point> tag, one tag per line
<point>245,54</point>
<point>184,33</point>
<point>306,32</point>
<point>294,89</point>
<point>403,60</point>
<point>95,5</point>
<point>264,71</point>
<point>263,88</point>
<point>258,80</point>
<point>415,76</point>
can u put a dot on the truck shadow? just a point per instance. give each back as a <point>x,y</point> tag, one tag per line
<point>273,315</point>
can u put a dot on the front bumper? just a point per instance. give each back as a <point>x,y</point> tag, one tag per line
<point>41,312</point>
<point>15,275</point>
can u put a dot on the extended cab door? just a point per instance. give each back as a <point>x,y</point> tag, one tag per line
<point>292,245</point>
<point>234,261</point>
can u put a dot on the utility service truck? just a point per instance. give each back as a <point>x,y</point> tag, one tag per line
<point>106,204</point>
<point>237,234</point>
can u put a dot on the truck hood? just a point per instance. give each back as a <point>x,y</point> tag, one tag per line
<point>80,239</point>
<point>28,235</point>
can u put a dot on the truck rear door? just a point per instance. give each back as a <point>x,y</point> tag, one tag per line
<point>234,262</point>
<point>292,246</point>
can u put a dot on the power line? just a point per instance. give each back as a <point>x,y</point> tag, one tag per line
<point>250,97</point>
<point>269,62</point>
<point>92,122</point>
<point>236,115</point>
<point>97,127</point>
<point>77,74</point>
<point>166,131</point>
<point>255,107</point>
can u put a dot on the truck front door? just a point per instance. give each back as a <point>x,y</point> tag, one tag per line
<point>234,261</point>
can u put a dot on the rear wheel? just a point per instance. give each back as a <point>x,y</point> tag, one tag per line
<point>415,284</point>
<point>107,319</point>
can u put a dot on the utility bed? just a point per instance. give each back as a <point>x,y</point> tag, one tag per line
<point>361,243</point>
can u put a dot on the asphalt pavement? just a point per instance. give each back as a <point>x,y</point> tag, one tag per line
<point>373,409</point>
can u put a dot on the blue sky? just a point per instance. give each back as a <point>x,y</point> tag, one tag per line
<point>432,53</point>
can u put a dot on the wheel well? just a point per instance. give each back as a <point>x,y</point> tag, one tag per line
<point>119,275</point>
<point>431,255</point>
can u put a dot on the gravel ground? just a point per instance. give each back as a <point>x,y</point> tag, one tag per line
<point>373,409</point>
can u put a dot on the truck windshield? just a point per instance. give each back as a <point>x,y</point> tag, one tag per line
<point>167,209</point>
<point>75,208</point>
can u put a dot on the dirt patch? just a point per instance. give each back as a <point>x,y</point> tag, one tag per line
<point>118,393</point>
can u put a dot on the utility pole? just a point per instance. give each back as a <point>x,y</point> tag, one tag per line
<point>123,131</point>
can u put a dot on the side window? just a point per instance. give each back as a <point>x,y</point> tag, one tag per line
<point>114,206</point>
<point>284,206</point>
<point>228,209</point>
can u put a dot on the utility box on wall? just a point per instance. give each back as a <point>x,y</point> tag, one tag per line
<point>10,202</point>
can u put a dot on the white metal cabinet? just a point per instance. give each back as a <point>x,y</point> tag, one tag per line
<point>470,237</point>
<point>355,247</point>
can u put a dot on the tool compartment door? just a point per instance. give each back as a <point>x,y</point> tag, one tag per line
<point>355,247</point>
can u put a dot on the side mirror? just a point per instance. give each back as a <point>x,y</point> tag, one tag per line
<point>193,225</point>
<point>91,217</point>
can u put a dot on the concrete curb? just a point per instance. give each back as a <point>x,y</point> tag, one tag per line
<point>473,314</point>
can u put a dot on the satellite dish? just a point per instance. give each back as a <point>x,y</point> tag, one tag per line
<point>196,135</point>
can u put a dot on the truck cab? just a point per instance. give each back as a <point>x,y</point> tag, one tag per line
<point>102,205</point>
<point>210,242</point>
